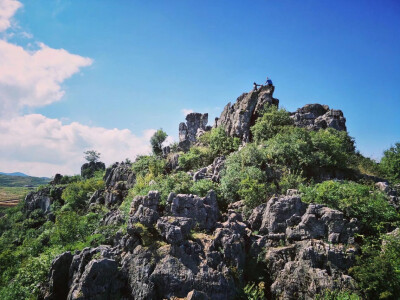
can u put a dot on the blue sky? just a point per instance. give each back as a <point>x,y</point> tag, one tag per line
<point>151,59</point>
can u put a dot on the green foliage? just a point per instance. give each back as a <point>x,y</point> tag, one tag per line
<point>247,176</point>
<point>332,148</point>
<point>92,155</point>
<point>306,151</point>
<point>272,122</point>
<point>337,295</point>
<point>202,187</point>
<point>254,291</point>
<point>219,142</point>
<point>371,209</point>
<point>290,180</point>
<point>77,193</point>
<point>366,165</point>
<point>196,158</point>
<point>378,268</point>
<point>179,182</point>
<point>70,179</point>
<point>156,141</point>
<point>390,163</point>
<point>149,164</point>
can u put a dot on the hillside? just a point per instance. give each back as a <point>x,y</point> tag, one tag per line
<point>20,181</point>
<point>263,204</point>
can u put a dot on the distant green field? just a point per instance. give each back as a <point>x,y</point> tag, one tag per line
<point>19,181</point>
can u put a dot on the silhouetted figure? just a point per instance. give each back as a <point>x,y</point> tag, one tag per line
<point>256,86</point>
<point>268,82</point>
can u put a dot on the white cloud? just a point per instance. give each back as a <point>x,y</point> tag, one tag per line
<point>33,79</point>
<point>41,146</point>
<point>186,111</point>
<point>7,11</point>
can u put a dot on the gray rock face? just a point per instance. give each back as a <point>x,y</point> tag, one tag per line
<point>317,116</point>
<point>88,169</point>
<point>42,199</point>
<point>289,218</point>
<point>119,178</point>
<point>198,256</point>
<point>100,280</point>
<point>59,276</point>
<point>212,171</point>
<point>174,229</point>
<point>308,268</point>
<point>237,119</point>
<point>203,211</point>
<point>145,209</point>
<point>196,123</point>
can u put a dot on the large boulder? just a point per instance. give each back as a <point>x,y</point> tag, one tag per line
<point>145,209</point>
<point>237,119</point>
<point>317,116</point>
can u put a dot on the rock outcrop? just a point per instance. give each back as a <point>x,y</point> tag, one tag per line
<point>196,124</point>
<point>211,172</point>
<point>186,248</point>
<point>88,169</point>
<point>42,199</point>
<point>119,178</point>
<point>317,116</point>
<point>237,119</point>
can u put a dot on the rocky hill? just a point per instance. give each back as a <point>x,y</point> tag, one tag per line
<point>249,208</point>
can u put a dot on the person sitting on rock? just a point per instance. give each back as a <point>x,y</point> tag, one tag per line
<point>256,86</point>
<point>268,82</point>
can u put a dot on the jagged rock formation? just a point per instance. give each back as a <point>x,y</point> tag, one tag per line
<point>317,116</point>
<point>119,178</point>
<point>392,193</point>
<point>237,119</point>
<point>187,249</point>
<point>195,125</point>
<point>211,172</point>
<point>42,199</point>
<point>88,169</point>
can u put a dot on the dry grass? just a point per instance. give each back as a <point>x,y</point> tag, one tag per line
<point>10,196</point>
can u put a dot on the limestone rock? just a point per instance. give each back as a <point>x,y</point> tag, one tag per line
<point>42,199</point>
<point>237,119</point>
<point>174,229</point>
<point>307,268</point>
<point>188,132</point>
<point>317,116</point>
<point>145,209</point>
<point>59,276</point>
<point>203,211</point>
<point>88,169</point>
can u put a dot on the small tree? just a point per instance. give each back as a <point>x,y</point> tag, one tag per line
<point>92,155</point>
<point>156,141</point>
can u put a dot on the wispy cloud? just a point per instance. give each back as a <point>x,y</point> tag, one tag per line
<point>186,111</point>
<point>7,11</point>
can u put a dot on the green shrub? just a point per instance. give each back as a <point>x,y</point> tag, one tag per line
<point>332,148</point>
<point>202,187</point>
<point>196,158</point>
<point>149,164</point>
<point>378,268</point>
<point>247,176</point>
<point>390,163</point>
<point>337,295</point>
<point>272,122</point>
<point>219,142</point>
<point>78,193</point>
<point>371,209</point>
<point>290,181</point>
